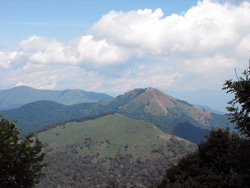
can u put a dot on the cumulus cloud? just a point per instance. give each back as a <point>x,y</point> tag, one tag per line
<point>208,65</point>
<point>80,50</point>
<point>138,48</point>
<point>207,27</point>
<point>7,58</point>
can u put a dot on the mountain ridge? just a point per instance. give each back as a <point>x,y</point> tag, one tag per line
<point>149,104</point>
<point>214,99</point>
<point>21,95</point>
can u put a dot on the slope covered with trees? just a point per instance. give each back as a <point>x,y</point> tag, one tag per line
<point>223,160</point>
<point>109,148</point>
<point>41,113</point>
<point>167,113</point>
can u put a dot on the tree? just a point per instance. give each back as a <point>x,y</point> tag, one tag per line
<point>21,162</point>
<point>240,105</point>
<point>223,160</point>
<point>217,163</point>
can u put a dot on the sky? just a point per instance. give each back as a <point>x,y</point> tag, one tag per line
<point>116,46</point>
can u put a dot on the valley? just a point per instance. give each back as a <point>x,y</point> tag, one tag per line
<point>125,94</point>
<point>123,140</point>
<point>149,104</point>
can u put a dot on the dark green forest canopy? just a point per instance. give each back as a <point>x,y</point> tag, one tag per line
<point>21,162</point>
<point>221,161</point>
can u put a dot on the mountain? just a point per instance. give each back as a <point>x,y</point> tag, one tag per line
<point>111,147</point>
<point>38,114</point>
<point>18,96</point>
<point>171,115</point>
<point>214,99</point>
<point>210,109</point>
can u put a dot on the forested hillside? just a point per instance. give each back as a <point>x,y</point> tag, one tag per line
<point>167,113</point>
<point>223,160</point>
<point>109,148</point>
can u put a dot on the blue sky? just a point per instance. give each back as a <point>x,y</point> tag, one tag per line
<point>115,46</point>
<point>65,20</point>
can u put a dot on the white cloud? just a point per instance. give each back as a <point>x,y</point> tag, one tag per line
<point>242,46</point>
<point>78,51</point>
<point>7,58</point>
<point>207,27</point>
<point>209,65</point>
<point>53,77</point>
<point>100,51</point>
<point>141,48</point>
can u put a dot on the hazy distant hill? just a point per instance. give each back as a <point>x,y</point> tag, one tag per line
<point>40,113</point>
<point>210,109</point>
<point>171,115</point>
<point>214,99</point>
<point>108,148</point>
<point>18,96</point>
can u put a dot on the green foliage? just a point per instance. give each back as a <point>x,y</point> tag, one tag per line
<point>223,160</point>
<point>240,106</point>
<point>133,104</point>
<point>217,163</point>
<point>38,114</point>
<point>108,135</point>
<point>41,113</point>
<point>21,162</point>
<point>63,123</point>
<point>190,132</point>
<point>110,148</point>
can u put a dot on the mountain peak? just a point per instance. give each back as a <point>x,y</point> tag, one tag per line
<point>152,100</point>
<point>168,113</point>
<point>155,103</point>
<point>159,101</point>
<point>21,88</point>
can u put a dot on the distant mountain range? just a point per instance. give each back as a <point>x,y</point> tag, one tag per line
<point>19,96</point>
<point>210,109</point>
<point>216,100</point>
<point>171,115</point>
<point>134,136</point>
<point>130,139</point>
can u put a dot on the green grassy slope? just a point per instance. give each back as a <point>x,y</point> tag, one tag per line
<point>170,115</point>
<point>112,144</point>
<point>108,136</point>
<point>152,105</point>
<point>38,114</point>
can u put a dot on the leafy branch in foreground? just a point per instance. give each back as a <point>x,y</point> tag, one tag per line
<point>240,105</point>
<point>21,162</point>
